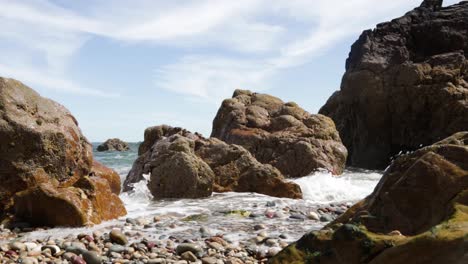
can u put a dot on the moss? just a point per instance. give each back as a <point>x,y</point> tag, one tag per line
<point>242,213</point>
<point>196,217</point>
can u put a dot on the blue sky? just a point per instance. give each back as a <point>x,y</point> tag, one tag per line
<point>120,66</point>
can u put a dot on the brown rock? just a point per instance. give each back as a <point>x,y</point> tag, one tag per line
<point>236,170</point>
<point>40,141</point>
<point>176,172</point>
<point>109,174</point>
<point>281,134</point>
<point>423,195</point>
<point>45,161</point>
<point>113,144</point>
<point>232,168</point>
<point>89,202</point>
<point>152,135</point>
<point>405,85</point>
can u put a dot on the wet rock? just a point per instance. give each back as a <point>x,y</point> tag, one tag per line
<point>432,181</point>
<point>189,256</point>
<point>113,144</point>
<point>184,247</point>
<point>112,177</point>
<point>326,218</point>
<point>281,134</point>
<point>116,236</point>
<point>186,165</point>
<point>313,216</point>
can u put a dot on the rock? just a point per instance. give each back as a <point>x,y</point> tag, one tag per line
<point>313,216</point>
<point>18,246</point>
<point>90,201</point>
<point>77,260</point>
<point>45,161</point>
<point>189,256</point>
<point>281,134</point>
<point>118,237</point>
<point>203,165</point>
<point>423,195</point>
<point>209,260</point>
<point>326,218</point>
<point>40,142</point>
<point>177,172</point>
<point>29,261</point>
<point>184,247</point>
<point>108,174</point>
<point>297,216</point>
<point>405,86</point>
<point>113,144</point>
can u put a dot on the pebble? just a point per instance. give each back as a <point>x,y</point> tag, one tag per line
<point>192,247</point>
<point>297,216</point>
<point>116,236</point>
<point>117,248</point>
<point>326,218</point>
<point>313,216</point>
<point>18,246</point>
<point>259,227</point>
<point>78,260</point>
<point>189,256</point>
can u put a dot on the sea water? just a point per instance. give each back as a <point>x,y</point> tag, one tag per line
<point>319,189</point>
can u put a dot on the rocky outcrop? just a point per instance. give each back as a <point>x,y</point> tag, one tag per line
<point>43,155</point>
<point>281,134</point>
<point>418,213</point>
<point>181,164</point>
<point>113,144</point>
<point>405,85</point>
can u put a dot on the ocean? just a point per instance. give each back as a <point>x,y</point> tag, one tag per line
<point>231,214</point>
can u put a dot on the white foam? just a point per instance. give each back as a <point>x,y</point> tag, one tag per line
<point>323,187</point>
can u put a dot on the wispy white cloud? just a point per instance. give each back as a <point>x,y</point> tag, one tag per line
<point>262,37</point>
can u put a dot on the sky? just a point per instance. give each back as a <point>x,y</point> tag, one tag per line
<point>121,66</point>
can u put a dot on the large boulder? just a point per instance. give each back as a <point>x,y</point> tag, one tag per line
<point>281,134</point>
<point>177,172</point>
<point>37,134</point>
<point>43,154</point>
<point>405,85</point>
<point>418,213</point>
<point>178,159</point>
<point>113,144</point>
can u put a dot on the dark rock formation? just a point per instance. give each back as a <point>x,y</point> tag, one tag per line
<point>281,134</point>
<point>226,167</point>
<point>41,145</point>
<point>113,144</point>
<point>418,213</point>
<point>405,85</point>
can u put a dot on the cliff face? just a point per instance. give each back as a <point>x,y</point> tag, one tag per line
<point>405,85</point>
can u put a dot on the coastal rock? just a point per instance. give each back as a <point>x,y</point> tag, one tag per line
<point>418,213</point>
<point>229,167</point>
<point>45,162</point>
<point>40,142</point>
<point>405,86</point>
<point>108,174</point>
<point>176,172</point>
<point>281,134</point>
<point>236,170</point>
<point>152,135</point>
<point>113,144</point>
<point>90,201</point>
